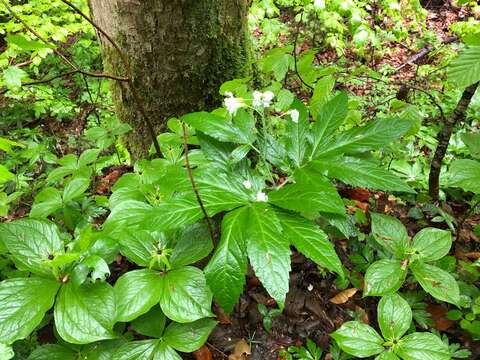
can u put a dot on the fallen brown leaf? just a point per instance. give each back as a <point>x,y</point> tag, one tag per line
<point>343,296</point>
<point>222,317</point>
<point>203,353</point>
<point>241,352</point>
<point>439,317</point>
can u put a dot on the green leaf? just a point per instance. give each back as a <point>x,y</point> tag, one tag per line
<point>136,350</point>
<point>23,303</point>
<point>7,145</point>
<point>330,117</point>
<point>465,69</point>
<point>188,337</point>
<point>13,77</point>
<point>5,175</point>
<point>472,140</point>
<point>31,243</point>
<point>193,244</point>
<point>52,352</point>
<point>150,324</point>
<point>217,127</point>
<point>432,244</point>
<point>185,296</point>
<point>268,251</point>
<point>47,201</point>
<point>437,282</point>
<point>372,136</point>
<point>391,234</point>
<point>26,44</point>
<point>138,245</point>
<point>173,214</point>
<point>362,173</point>
<point>394,316</point>
<point>86,313</point>
<point>88,157</point>
<point>384,277</point>
<point>136,292</point>
<point>277,61</point>
<point>425,346</point>
<point>387,355</point>
<point>6,352</point>
<point>225,272</point>
<point>296,134</point>
<point>75,188</point>
<point>358,339</point>
<point>321,94</point>
<point>465,174</point>
<point>307,237</point>
<point>310,198</point>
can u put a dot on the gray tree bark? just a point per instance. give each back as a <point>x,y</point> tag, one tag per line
<point>180,52</point>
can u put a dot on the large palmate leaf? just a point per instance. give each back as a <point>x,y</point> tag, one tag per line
<point>425,346</point>
<point>173,214</point>
<point>268,250</point>
<point>384,277</point>
<point>394,316</point>
<point>465,174</point>
<point>391,234</point>
<point>307,237</point>
<point>437,282</point>
<point>31,243</point>
<point>296,134</point>
<point>226,269</point>
<point>359,172</point>
<point>23,303</point>
<point>136,292</point>
<point>185,296</point>
<point>358,339</point>
<point>360,139</point>
<point>86,313</point>
<point>465,69</point>
<point>188,337</point>
<point>330,118</point>
<point>217,127</point>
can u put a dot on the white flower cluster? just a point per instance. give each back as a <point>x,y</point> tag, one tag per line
<point>232,103</point>
<point>260,196</point>
<point>294,115</point>
<point>262,99</point>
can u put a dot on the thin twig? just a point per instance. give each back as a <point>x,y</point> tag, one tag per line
<point>194,184</point>
<point>295,53</point>
<point>126,64</point>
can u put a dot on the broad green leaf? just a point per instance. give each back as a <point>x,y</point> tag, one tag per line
<point>472,140</point>
<point>437,282</point>
<point>75,188</point>
<point>225,272</point>
<point>7,145</point>
<point>26,44</point>
<point>165,352</point>
<point>173,214</point>
<point>311,241</point>
<point>150,324</point>
<point>432,244</point>
<point>103,350</point>
<point>127,214</point>
<point>425,346</point>
<point>330,117</point>
<point>372,136</point>
<point>216,127</point>
<point>387,355</point>
<point>394,316</point>
<point>86,313</point>
<point>321,94</point>
<point>23,303</point>
<point>47,201</point>
<point>188,337</point>
<point>13,76</point>
<point>193,244</point>
<point>268,251</point>
<point>31,243</point>
<point>138,246</point>
<point>384,277</point>
<point>362,173</point>
<point>185,295</point>
<point>277,61</point>
<point>308,198</point>
<point>391,234</point>
<point>465,69</point>
<point>465,174</point>
<point>88,157</point>
<point>296,134</point>
<point>5,175</point>
<point>52,352</point>
<point>137,350</point>
<point>358,339</point>
<point>136,292</point>
<point>6,352</point>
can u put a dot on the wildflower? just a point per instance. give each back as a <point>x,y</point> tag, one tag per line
<point>232,103</point>
<point>294,115</point>
<point>262,99</point>
<point>247,184</point>
<point>319,4</point>
<point>310,287</point>
<point>261,197</point>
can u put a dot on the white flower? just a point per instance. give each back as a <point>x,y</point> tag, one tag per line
<point>257,98</point>
<point>261,197</point>
<point>262,99</point>
<point>294,115</point>
<point>319,4</point>
<point>232,103</point>
<point>310,287</point>
<point>247,184</point>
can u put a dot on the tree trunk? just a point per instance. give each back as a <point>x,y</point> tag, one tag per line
<point>180,52</point>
